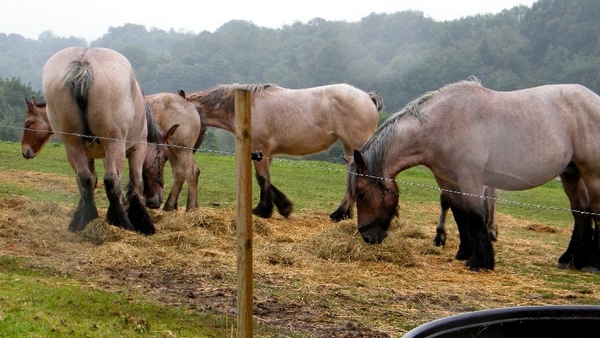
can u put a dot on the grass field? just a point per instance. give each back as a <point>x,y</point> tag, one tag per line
<point>312,277</point>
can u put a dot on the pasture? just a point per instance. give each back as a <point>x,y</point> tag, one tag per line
<point>312,277</point>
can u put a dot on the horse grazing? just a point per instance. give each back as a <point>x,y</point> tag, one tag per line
<point>97,110</point>
<point>167,109</point>
<point>490,197</point>
<point>295,122</point>
<point>469,137</point>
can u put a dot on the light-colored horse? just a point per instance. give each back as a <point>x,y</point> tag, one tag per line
<point>168,109</point>
<point>470,136</point>
<point>295,122</point>
<point>97,110</point>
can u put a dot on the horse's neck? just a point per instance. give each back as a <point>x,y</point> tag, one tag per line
<point>405,150</point>
<point>221,120</point>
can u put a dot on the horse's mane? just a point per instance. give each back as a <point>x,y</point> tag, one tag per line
<point>223,96</point>
<point>377,145</point>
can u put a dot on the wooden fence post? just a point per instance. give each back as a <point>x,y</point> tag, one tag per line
<point>243,137</point>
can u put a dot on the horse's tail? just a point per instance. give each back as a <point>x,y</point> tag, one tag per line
<point>377,100</point>
<point>203,128</point>
<point>79,77</point>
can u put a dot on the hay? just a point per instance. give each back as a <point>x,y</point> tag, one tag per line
<point>306,261</point>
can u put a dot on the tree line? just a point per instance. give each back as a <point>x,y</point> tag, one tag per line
<point>401,55</point>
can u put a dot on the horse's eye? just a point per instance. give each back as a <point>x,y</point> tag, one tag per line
<point>361,195</point>
<point>27,126</point>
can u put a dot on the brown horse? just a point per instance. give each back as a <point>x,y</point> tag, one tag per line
<point>167,109</point>
<point>469,137</point>
<point>295,122</point>
<point>97,110</point>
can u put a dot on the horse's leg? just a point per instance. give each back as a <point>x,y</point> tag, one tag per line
<point>575,256</point>
<point>440,230</point>
<point>282,202</point>
<point>344,210</point>
<point>264,208</point>
<point>178,178</point>
<point>113,167</point>
<point>490,203</point>
<point>137,212</point>
<point>192,176</point>
<point>482,256</point>
<point>451,198</point>
<point>86,183</point>
<point>593,189</point>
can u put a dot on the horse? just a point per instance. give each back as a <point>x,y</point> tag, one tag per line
<point>294,122</point>
<point>470,136</point>
<point>490,197</point>
<point>167,109</point>
<point>97,110</point>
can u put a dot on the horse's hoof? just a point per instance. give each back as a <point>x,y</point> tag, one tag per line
<point>286,210</point>
<point>169,208</point>
<point>339,215</point>
<point>261,212</point>
<point>564,266</point>
<point>440,240</point>
<point>590,269</point>
<point>475,266</point>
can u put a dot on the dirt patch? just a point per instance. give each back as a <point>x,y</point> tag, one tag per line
<point>311,276</point>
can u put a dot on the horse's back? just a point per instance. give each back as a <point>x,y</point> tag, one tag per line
<point>169,109</point>
<point>113,101</point>
<point>509,133</point>
<point>300,117</point>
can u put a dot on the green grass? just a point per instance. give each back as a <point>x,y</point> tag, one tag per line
<point>38,302</point>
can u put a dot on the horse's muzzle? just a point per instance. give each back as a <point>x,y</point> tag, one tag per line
<point>373,233</point>
<point>154,202</point>
<point>28,153</point>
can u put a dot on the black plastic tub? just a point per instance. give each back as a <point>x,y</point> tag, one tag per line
<point>569,321</point>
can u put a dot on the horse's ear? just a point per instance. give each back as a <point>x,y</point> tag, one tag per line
<point>181,93</point>
<point>358,160</point>
<point>170,132</point>
<point>30,106</point>
<point>34,101</point>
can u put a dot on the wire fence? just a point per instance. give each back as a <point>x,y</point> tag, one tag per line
<point>257,155</point>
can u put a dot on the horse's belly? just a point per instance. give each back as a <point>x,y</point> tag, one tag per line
<point>519,180</point>
<point>94,149</point>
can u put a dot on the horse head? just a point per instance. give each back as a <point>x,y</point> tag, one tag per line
<point>376,201</point>
<point>37,130</point>
<point>157,156</point>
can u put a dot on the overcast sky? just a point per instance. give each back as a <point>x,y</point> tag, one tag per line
<point>92,19</point>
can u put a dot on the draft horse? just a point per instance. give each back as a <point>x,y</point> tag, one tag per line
<point>97,110</point>
<point>168,109</point>
<point>470,136</point>
<point>294,122</point>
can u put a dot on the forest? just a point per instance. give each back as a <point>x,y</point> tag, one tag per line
<point>400,55</point>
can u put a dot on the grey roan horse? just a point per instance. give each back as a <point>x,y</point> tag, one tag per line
<point>469,137</point>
